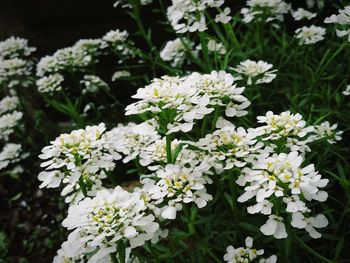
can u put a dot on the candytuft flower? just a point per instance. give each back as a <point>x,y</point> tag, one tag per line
<point>246,254</point>
<point>111,217</point>
<point>79,160</point>
<point>256,72</point>
<point>310,35</point>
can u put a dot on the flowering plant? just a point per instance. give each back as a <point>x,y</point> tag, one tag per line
<point>235,132</point>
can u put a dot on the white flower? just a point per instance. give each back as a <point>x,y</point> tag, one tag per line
<point>283,125</point>
<point>310,35</point>
<point>189,15</point>
<point>346,92</point>
<point>256,72</point>
<point>281,177</point>
<point>175,51</point>
<point>300,221</point>
<point>220,89</point>
<point>120,74</point>
<point>50,84</point>
<point>178,184</point>
<point>13,70</point>
<point>342,19</point>
<point>11,153</point>
<point>93,84</point>
<point>229,145</point>
<point>118,41</point>
<point>301,14</point>
<point>8,122</point>
<point>265,9</point>
<point>111,216</point>
<point>224,17</point>
<point>133,139</point>
<point>81,158</point>
<point>242,254</point>
<point>8,103</point>
<point>172,94</point>
<point>214,46</point>
<point>275,227</point>
<point>325,130</point>
<point>15,47</point>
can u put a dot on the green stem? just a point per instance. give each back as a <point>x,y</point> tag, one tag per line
<point>168,148</point>
<point>313,252</point>
<point>82,186</point>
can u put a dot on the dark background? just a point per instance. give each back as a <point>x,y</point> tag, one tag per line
<point>53,24</point>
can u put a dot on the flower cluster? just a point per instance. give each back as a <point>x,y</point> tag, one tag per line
<point>79,160</point>
<point>189,15</point>
<point>292,129</point>
<point>111,217</point>
<point>265,10</point>
<point>93,84</point>
<point>132,140</point>
<point>14,47</point>
<point>189,98</point>
<point>301,14</point>
<point>246,254</point>
<point>175,51</point>
<point>15,71</point>
<point>80,57</point>
<point>10,119</point>
<point>343,20</point>
<point>277,180</point>
<point>255,72</point>
<point>176,184</point>
<point>310,35</point>
<point>229,147</point>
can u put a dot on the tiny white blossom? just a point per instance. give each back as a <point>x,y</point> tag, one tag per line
<point>346,92</point>
<point>214,46</point>
<point>175,51</point>
<point>328,131</point>
<point>256,72</point>
<point>120,74</point>
<point>301,14</point>
<point>310,35</point>
<point>8,122</point>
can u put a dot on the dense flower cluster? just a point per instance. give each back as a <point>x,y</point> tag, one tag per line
<point>79,160</point>
<point>102,222</point>
<point>190,98</point>
<point>280,179</point>
<point>189,15</point>
<point>178,184</point>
